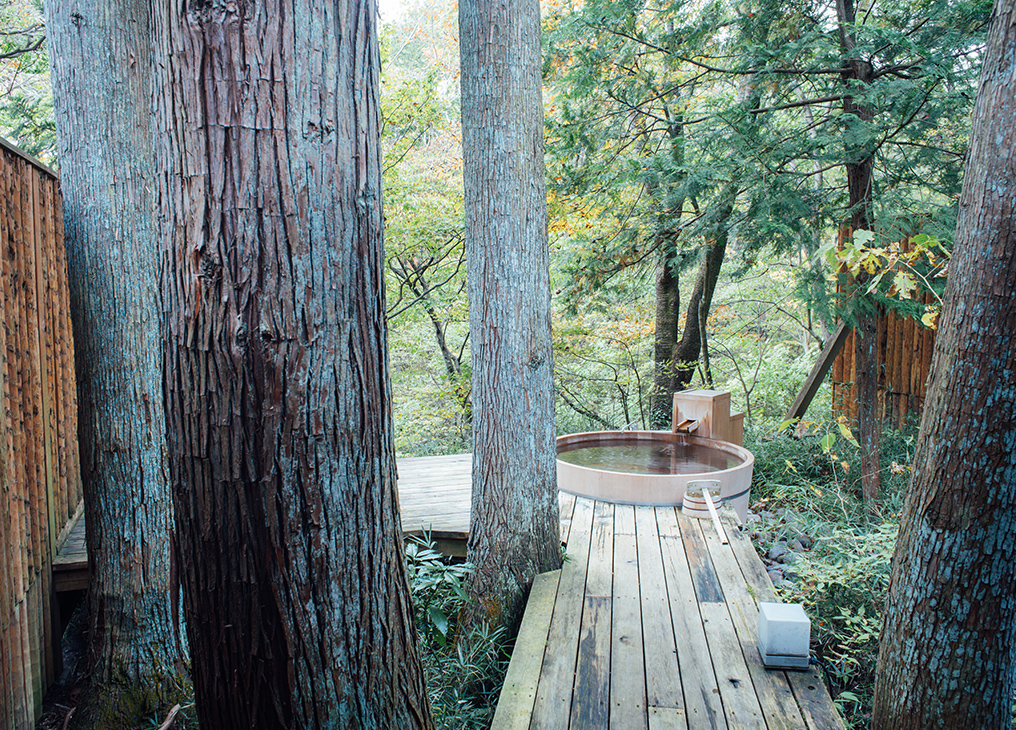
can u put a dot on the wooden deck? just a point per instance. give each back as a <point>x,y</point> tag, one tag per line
<point>433,496</point>
<point>651,623</point>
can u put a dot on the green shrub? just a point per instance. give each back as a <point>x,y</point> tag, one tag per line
<point>464,669</point>
<point>811,485</point>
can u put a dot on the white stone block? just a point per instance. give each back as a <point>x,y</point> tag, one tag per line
<point>784,635</point>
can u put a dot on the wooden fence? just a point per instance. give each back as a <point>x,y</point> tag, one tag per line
<point>40,479</point>
<point>905,347</point>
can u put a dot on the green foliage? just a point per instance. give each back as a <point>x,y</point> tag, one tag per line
<point>424,253</point>
<point>438,588</point>
<point>26,105</point>
<point>811,485</point>
<point>464,670</point>
<point>898,276</point>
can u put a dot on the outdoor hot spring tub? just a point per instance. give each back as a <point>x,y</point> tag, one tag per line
<point>651,467</point>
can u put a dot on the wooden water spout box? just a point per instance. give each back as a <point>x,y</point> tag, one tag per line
<point>710,410</point>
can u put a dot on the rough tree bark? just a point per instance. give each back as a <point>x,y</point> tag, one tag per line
<point>668,281</point>
<point>515,532</point>
<point>280,435</point>
<point>948,647</point>
<point>686,354</point>
<point>102,73</point>
<point>667,327</point>
<point>859,163</point>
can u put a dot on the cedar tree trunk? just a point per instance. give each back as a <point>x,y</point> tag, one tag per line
<point>102,73</point>
<point>667,322</point>
<point>859,166</point>
<point>280,435</point>
<point>948,651</point>
<point>514,521</point>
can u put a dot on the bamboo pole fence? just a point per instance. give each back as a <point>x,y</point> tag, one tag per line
<point>905,347</point>
<point>40,479</point>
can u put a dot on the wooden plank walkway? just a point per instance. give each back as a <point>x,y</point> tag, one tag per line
<point>434,495</point>
<point>651,624</point>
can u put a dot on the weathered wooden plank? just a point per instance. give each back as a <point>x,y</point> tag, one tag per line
<point>553,697</point>
<point>48,497</point>
<point>600,573</point>
<point>566,506</point>
<point>8,533</point>
<point>515,704</point>
<point>707,587</point>
<point>591,695</point>
<point>69,393</point>
<point>627,662</point>
<point>809,690</point>
<point>624,519</point>
<point>751,566</point>
<point>667,718</point>
<point>15,437</point>
<point>813,698</point>
<point>927,351</point>
<point>663,675</point>
<point>771,687</point>
<point>38,496</point>
<point>31,482</point>
<point>701,693</point>
<point>819,371</point>
<point>740,704</point>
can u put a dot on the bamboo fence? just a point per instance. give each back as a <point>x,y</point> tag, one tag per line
<point>40,479</point>
<point>905,347</point>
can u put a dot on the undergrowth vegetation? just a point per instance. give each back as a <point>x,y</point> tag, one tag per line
<point>465,667</point>
<point>811,485</point>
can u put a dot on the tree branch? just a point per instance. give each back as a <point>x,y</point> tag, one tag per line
<point>802,102</point>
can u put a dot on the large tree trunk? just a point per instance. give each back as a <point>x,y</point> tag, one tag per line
<point>280,439</point>
<point>949,637</point>
<point>859,165</point>
<point>514,524</point>
<point>102,73</point>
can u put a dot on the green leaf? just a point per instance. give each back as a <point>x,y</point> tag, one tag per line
<point>438,618</point>
<point>827,442</point>
<point>863,238</point>
<point>787,424</point>
<point>905,284</point>
<point>846,433</point>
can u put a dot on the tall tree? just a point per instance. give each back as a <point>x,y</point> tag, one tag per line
<point>948,645</point>
<point>859,161</point>
<point>514,528</point>
<point>104,112</point>
<point>881,104</point>
<point>280,435</point>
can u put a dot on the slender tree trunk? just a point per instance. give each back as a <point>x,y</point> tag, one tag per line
<point>101,73</point>
<point>948,647</point>
<point>668,284</point>
<point>686,354</point>
<point>859,164</point>
<point>668,306</point>
<point>278,397</point>
<point>514,524</point>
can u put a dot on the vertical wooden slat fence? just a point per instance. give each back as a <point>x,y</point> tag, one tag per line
<point>40,480</point>
<point>905,347</point>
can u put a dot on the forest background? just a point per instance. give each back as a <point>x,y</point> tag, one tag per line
<point>699,162</point>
